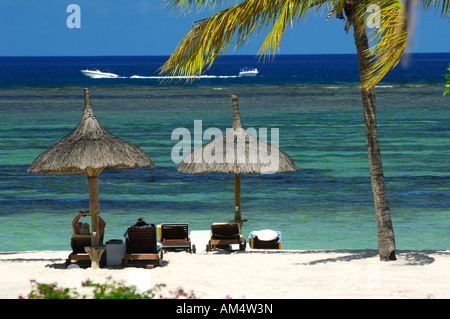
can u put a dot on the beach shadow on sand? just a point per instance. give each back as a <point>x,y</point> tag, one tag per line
<point>406,257</point>
<point>84,264</point>
<point>14,258</point>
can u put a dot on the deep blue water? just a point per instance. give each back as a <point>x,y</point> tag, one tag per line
<point>315,102</point>
<point>57,72</point>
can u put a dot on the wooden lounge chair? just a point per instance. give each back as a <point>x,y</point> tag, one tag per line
<point>264,243</point>
<point>141,244</point>
<point>225,234</point>
<point>175,236</point>
<point>78,242</point>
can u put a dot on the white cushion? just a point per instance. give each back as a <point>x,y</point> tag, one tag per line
<point>266,234</point>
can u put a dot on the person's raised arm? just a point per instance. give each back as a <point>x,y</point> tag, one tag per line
<point>75,221</point>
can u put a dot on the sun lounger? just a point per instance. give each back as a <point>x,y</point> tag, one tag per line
<point>225,234</point>
<point>141,244</point>
<point>265,239</point>
<point>78,242</point>
<point>175,236</point>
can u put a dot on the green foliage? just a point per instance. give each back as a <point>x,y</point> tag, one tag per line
<point>447,85</point>
<point>109,290</point>
<point>49,291</point>
<point>117,290</point>
<point>210,37</point>
<point>387,40</point>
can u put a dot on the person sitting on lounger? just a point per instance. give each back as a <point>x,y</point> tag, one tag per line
<point>141,223</point>
<point>80,228</point>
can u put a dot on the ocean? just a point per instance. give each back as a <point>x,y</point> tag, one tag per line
<point>314,101</point>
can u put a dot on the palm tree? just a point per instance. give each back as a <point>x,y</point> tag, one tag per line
<point>210,38</point>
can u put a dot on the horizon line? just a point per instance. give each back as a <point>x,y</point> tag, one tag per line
<point>224,55</point>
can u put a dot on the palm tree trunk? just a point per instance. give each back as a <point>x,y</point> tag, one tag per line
<point>386,240</point>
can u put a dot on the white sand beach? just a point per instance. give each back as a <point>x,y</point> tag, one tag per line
<point>253,274</point>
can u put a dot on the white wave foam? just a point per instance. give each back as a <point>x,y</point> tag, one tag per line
<point>333,87</point>
<point>384,86</point>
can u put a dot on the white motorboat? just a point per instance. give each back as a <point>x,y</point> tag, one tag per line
<point>248,72</point>
<point>97,74</point>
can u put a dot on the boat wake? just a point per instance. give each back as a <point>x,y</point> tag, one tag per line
<point>155,77</point>
<point>184,77</point>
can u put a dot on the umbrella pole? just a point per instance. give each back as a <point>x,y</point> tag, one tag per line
<point>237,197</point>
<point>237,200</point>
<point>94,208</point>
<point>95,251</point>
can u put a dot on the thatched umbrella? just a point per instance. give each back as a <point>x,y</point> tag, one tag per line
<point>237,152</point>
<point>89,149</point>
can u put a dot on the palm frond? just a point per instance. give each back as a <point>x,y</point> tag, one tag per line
<point>388,42</point>
<point>442,6</point>
<point>211,37</point>
<point>289,11</point>
<point>187,5</point>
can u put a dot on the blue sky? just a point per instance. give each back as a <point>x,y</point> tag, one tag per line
<point>145,27</point>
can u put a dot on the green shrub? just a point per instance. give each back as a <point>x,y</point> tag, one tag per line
<point>109,290</point>
<point>49,291</point>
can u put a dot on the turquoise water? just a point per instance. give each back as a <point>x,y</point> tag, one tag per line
<point>326,204</point>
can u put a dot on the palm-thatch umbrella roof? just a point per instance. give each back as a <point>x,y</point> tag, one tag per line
<point>237,152</point>
<point>89,149</point>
